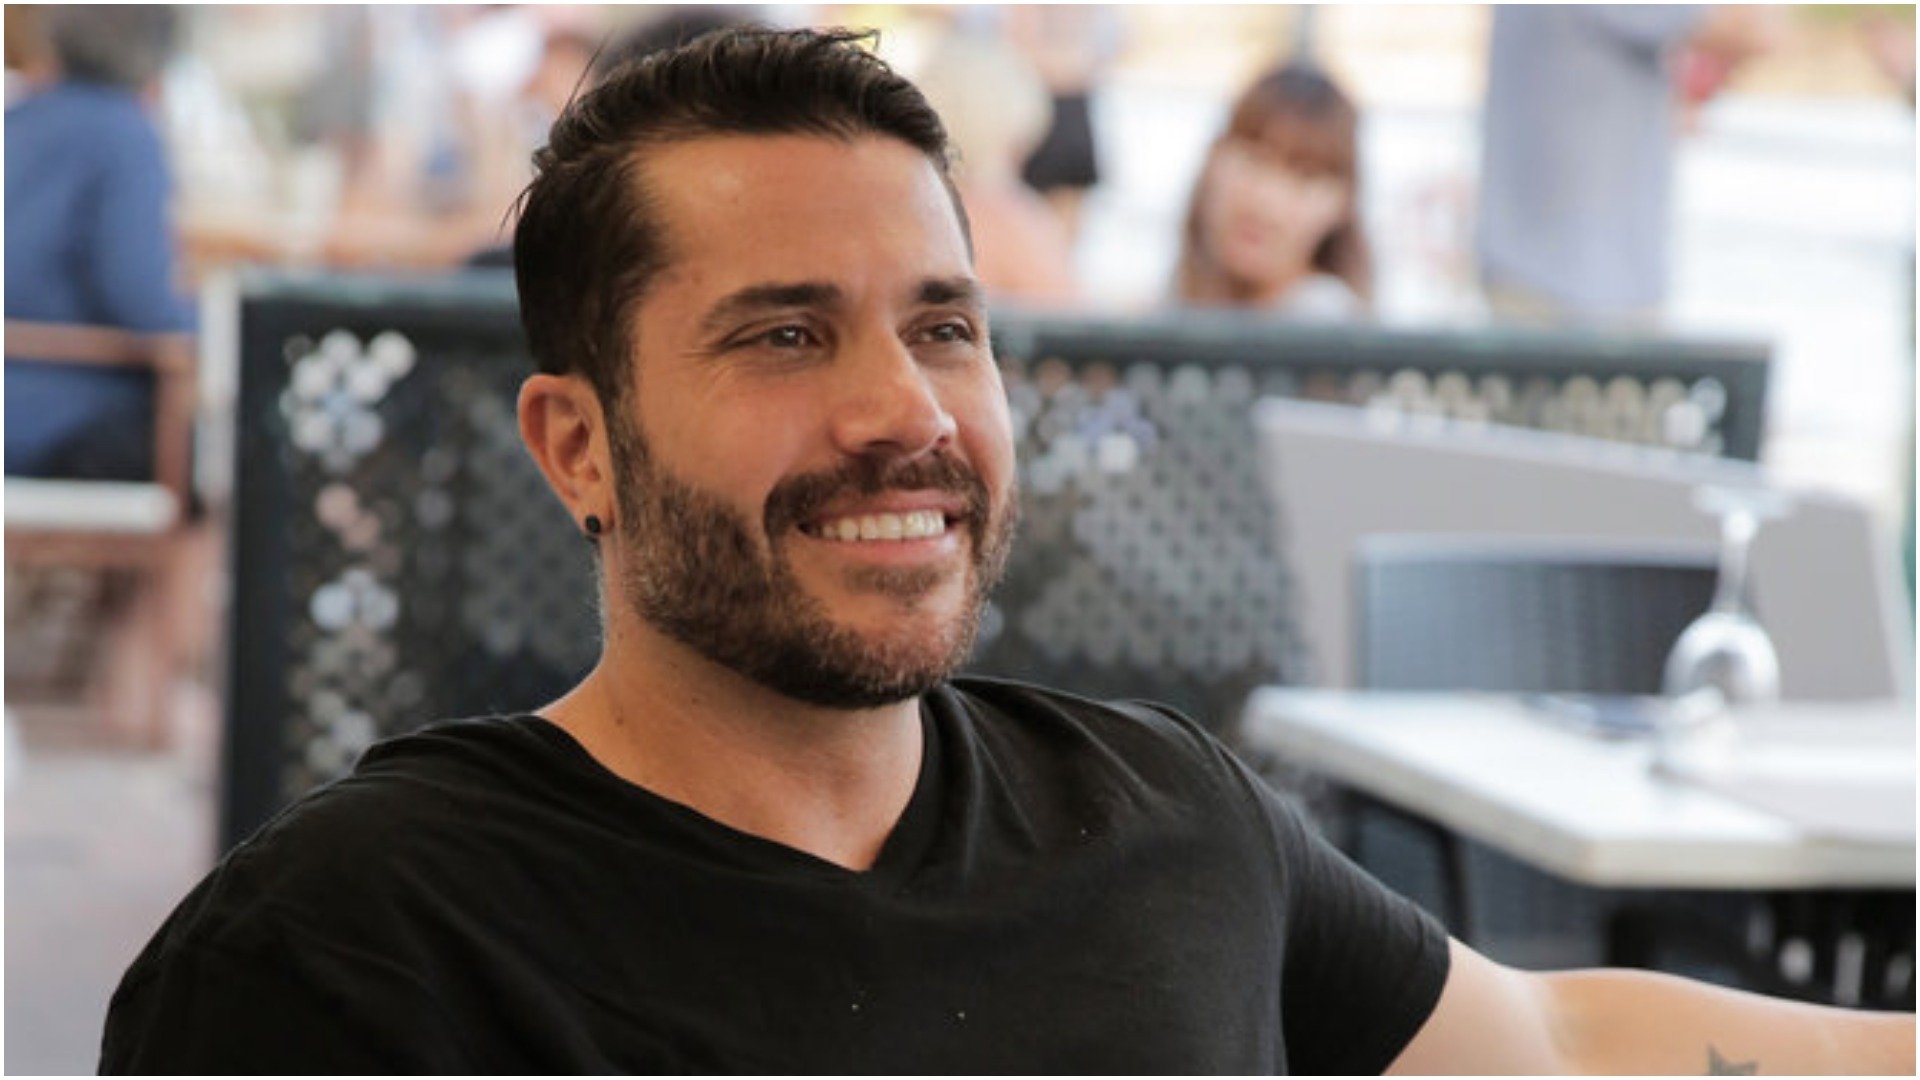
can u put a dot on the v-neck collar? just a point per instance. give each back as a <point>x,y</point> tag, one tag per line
<point>900,854</point>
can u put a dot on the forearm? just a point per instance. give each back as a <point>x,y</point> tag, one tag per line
<point>1640,1022</point>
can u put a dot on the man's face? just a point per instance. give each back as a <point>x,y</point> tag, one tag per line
<point>815,465</point>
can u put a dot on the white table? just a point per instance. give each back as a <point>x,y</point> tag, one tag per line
<point>1585,808</point>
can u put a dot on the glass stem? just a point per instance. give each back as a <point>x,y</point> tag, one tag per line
<point>1736,537</point>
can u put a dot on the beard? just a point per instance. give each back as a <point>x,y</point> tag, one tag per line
<point>693,570</point>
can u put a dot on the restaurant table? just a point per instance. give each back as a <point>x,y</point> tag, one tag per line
<point>1821,796</point>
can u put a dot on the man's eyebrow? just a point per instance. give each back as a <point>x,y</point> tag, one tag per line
<point>753,299</point>
<point>964,291</point>
<point>756,298</point>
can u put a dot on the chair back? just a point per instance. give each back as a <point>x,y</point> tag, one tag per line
<point>399,559</point>
<point>170,357</point>
<point>1464,613</point>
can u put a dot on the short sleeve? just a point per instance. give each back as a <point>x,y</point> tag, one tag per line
<point>209,1011</point>
<point>1364,966</point>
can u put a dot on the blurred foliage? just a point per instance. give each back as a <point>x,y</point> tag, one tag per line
<point>1851,13</point>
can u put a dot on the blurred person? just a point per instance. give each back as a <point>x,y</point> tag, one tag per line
<point>1274,219</point>
<point>1889,42</point>
<point>565,57</point>
<point>517,66</point>
<point>653,32</point>
<point>336,108</point>
<point>89,242</point>
<point>1070,47</point>
<point>29,55</point>
<point>666,28</point>
<point>1578,138</point>
<point>771,829</point>
<point>995,108</point>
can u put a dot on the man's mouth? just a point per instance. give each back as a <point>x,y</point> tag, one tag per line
<point>907,525</point>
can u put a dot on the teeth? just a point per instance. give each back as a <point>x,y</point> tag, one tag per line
<point>916,525</point>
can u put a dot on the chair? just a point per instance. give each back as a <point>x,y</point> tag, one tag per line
<point>140,528</point>
<point>1503,614</point>
<point>1520,615</point>
<point>1466,613</point>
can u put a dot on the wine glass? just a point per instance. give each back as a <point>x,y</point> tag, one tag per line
<point>1724,658</point>
<point>1726,648</point>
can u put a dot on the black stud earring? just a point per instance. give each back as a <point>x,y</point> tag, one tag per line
<point>593,527</point>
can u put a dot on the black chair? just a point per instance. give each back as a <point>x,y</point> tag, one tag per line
<point>1508,615</point>
<point>1522,615</point>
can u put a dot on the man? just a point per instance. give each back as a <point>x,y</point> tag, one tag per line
<point>88,241</point>
<point>767,833</point>
<point>1577,162</point>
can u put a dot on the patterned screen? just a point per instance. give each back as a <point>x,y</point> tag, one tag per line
<point>398,558</point>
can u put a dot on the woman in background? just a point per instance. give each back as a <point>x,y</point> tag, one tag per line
<point>1274,219</point>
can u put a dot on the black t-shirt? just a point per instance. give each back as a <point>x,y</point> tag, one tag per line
<point>1073,887</point>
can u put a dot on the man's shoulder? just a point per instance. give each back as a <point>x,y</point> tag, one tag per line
<point>348,850</point>
<point>314,940</point>
<point>107,112</point>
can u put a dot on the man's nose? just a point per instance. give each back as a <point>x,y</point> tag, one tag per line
<point>888,406</point>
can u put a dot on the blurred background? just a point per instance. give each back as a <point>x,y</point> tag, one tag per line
<point>1353,178</point>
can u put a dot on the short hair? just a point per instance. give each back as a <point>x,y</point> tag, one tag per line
<point>124,45</point>
<point>1299,110</point>
<point>589,242</point>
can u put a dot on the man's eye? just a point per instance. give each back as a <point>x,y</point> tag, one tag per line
<point>788,336</point>
<point>950,332</point>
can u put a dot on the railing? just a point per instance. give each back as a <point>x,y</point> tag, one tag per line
<point>398,558</point>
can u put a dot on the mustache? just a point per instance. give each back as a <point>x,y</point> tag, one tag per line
<point>798,499</point>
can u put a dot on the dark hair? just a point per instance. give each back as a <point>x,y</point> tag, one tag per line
<point>124,45</point>
<point>588,242</point>
<point>1301,113</point>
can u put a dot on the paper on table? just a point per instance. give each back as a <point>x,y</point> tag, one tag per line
<point>1850,777</point>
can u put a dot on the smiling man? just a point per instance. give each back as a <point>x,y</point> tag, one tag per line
<point>770,832</point>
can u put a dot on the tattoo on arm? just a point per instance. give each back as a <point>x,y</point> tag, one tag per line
<point>1719,1066</point>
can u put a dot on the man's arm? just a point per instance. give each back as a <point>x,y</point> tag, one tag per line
<point>1493,1019</point>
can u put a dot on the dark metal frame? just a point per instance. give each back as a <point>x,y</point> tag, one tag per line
<point>273,309</point>
<point>479,309</point>
<point>1222,339</point>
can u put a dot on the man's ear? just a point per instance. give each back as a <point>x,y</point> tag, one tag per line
<point>565,431</point>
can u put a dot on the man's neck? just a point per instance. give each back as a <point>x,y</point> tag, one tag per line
<point>829,782</point>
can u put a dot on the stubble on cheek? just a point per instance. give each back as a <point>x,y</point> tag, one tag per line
<point>696,569</point>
